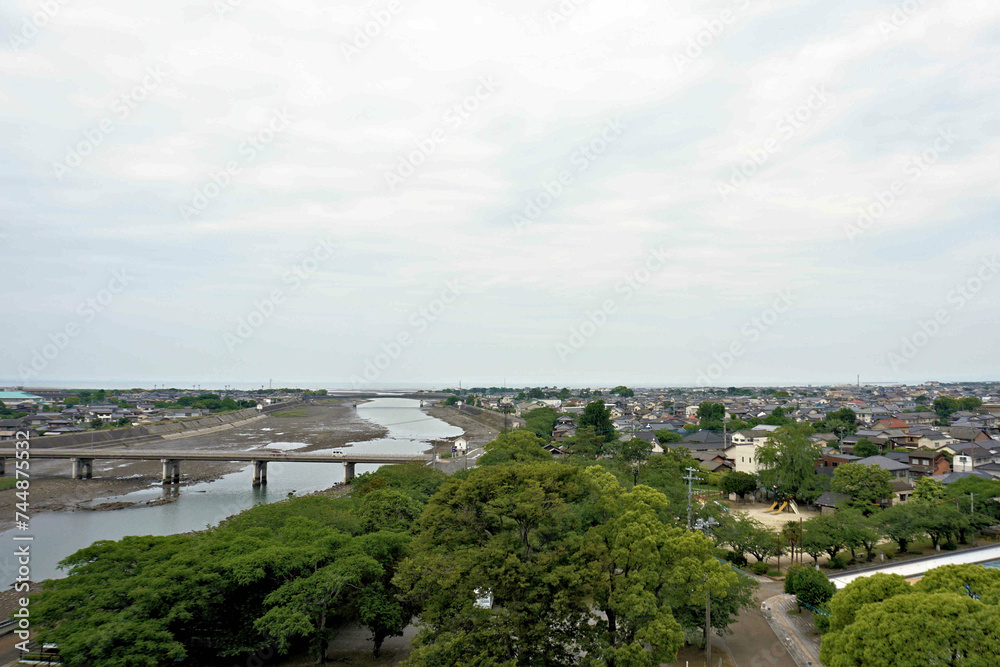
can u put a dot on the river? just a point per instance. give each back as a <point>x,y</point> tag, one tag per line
<point>59,534</point>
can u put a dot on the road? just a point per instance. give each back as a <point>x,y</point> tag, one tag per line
<point>795,630</point>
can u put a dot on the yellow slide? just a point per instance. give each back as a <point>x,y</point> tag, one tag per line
<point>782,508</point>
<point>771,508</point>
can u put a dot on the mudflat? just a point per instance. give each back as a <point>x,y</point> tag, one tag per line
<point>321,425</point>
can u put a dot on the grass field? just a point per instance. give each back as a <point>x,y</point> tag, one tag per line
<point>7,483</point>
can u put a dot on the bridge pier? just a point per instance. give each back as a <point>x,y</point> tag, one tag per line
<point>259,473</point>
<point>3,470</point>
<point>348,472</point>
<point>83,468</point>
<point>171,471</point>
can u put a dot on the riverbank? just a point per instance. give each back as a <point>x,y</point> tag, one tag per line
<point>332,424</point>
<point>477,431</point>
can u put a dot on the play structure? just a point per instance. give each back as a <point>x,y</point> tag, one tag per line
<point>786,506</point>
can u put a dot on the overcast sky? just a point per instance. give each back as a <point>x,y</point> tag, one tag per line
<point>589,193</point>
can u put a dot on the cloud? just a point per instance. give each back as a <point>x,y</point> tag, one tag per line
<point>741,110</point>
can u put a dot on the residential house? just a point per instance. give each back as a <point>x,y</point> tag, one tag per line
<point>935,440</point>
<point>966,434</point>
<point>924,463</point>
<point>743,449</point>
<point>901,491</point>
<point>971,457</point>
<point>830,462</point>
<point>897,469</point>
<point>713,460</point>
<point>830,501</point>
<point>917,418</point>
<point>10,427</point>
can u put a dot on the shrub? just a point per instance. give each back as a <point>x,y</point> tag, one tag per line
<point>836,563</point>
<point>949,545</point>
<point>821,621</point>
<point>809,585</point>
<point>759,568</point>
<point>739,560</point>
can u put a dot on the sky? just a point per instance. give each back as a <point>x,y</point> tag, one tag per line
<point>575,193</point>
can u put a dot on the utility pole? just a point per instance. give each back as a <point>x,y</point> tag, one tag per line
<point>690,478</point>
<point>708,625</point>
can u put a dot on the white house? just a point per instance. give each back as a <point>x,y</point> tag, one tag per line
<point>743,450</point>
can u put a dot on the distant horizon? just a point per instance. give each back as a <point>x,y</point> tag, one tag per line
<point>117,384</point>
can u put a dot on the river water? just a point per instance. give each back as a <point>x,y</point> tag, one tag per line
<point>59,534</point>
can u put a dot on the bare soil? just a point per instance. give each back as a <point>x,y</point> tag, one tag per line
<point>331,424</point>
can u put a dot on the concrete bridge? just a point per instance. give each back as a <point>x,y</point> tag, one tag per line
<point>83,460</point>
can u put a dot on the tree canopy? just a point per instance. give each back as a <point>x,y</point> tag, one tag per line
<point>787,461</point>
<point>867,485</point>
<point>597,416</point>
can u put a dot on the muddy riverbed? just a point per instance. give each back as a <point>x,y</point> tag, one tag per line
<point>332,424</point>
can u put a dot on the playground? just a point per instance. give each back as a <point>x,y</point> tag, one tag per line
<point>768,514</point>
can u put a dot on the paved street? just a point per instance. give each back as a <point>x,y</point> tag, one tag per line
<point>796,631</point>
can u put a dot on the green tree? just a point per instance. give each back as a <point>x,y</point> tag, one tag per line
<point>865,448</point>
<point>623,391</point>
<point>633,558</point>
<point>586,444</point>
<point>515,447</point>
<point>632,454</point>
<point>740,483</point>
<point>666,436</point>
<point>940,521</point>
<point>387,509</point>
<point>778,417</point>
<point>901,523</point>
<point>970,403</point>
<point>861,591</point>
<point>598,417</point>
<point>711,412</point>
<point>859,530</point>
<point>867,485</point>
<point>744,534</point>
<point>945,406</point>
<point>980,583</point>
<point>823,534</point>
<point>514,531</point>
<point>917,629</point>
<point>928,490</point>
<point>808,585</point>
<point>787,460</point>
<point>541,421</point>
